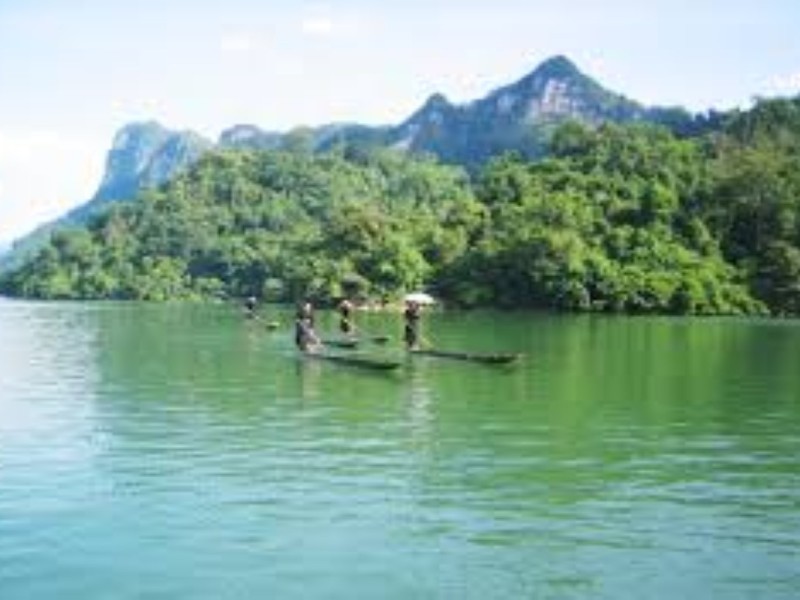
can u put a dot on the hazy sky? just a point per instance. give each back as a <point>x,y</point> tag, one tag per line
<point>74,71</point>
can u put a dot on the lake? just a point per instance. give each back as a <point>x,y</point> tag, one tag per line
<point>181,451</point>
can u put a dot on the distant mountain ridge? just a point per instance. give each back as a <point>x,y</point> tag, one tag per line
<point>519,117</point>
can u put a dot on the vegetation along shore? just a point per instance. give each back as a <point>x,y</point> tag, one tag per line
<point>635,218</point>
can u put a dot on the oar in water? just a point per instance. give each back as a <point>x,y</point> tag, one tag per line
<point>268,324</point>
<point>423,343</point>
<point>252,314</point>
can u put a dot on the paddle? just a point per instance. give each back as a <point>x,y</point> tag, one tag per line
<point>254,316</point>
<point>250,311</point>
<point>425,341</point>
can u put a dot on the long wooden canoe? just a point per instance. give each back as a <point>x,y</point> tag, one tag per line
<point>340,343</point>
<point>367,362</point>
<point>494,358</point>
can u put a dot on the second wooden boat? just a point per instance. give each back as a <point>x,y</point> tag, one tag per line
<point>492,358</point>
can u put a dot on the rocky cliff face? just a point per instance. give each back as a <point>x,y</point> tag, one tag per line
<point>142,155</point>
<point>146,154</point>
<point>556,89</point>
<point>518,117</point>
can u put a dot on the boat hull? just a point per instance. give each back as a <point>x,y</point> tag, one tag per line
<point>364,362</point>
<point>492,359</point>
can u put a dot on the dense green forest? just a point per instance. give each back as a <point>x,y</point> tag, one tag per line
<point>617,218</point>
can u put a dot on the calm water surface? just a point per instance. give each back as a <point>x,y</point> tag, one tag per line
<point>182,452</point>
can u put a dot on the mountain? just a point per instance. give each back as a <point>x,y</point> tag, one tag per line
<point>518,117</point>
<point>142,155</point>
<point>522,116</point>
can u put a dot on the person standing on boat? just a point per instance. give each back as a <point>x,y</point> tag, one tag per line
<point>411,333</point>
<point>345,309</point>
<point>304,335</point>
<point>250,305</point>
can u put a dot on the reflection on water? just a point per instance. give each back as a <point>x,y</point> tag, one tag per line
<point>178,451</point>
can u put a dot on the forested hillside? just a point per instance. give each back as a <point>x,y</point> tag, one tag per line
<point>519,117</point>
<point>246,222</point>
<point>618,218</point>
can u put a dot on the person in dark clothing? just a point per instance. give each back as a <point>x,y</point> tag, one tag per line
<point>411,333</point>
<point>250,305</point>
<point>304,335</point>
<point>345,309</point>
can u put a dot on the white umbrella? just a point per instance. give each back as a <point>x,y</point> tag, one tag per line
<point>420,298</point>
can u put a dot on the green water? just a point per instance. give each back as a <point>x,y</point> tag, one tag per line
<point>182,452</point>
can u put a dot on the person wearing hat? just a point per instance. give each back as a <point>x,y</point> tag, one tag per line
<point>345,310</point>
